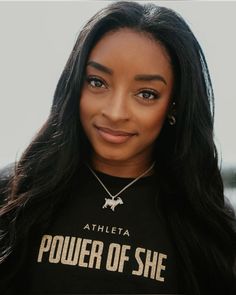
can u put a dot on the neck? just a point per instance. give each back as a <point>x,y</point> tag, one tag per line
<point>126,169</point>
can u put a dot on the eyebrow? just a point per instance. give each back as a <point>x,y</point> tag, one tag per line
<point>100,67</point>
<point>141,77</point>
<point>150,78</point>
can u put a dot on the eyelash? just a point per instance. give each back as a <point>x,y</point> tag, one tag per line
<point>90,79</point>
<point>155,94</point>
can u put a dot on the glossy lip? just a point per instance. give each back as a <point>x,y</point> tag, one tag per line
<point>114,136</point>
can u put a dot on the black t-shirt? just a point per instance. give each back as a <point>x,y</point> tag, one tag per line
<point>90,248</point>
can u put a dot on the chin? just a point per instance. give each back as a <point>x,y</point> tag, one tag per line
<point>118,158</point>
<point>113,156</point>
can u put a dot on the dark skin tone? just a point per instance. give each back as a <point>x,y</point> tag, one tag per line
<point>125,100</point>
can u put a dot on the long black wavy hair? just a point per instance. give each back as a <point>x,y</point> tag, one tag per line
<point>189,180</point>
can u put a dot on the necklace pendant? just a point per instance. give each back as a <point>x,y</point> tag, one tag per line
<point>112,203</point>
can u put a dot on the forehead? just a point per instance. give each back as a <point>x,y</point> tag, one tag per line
<point>130,51</point>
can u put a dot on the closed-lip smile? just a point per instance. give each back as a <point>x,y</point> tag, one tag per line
<point>112,135</point>
<point>114,132</point>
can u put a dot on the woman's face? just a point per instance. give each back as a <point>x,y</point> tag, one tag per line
<point>126,96</point>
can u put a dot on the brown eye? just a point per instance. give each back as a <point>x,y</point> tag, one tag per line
<point>95,82</point>
<point>148,95</point>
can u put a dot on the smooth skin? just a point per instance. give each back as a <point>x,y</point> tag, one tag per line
<point>125,100</point>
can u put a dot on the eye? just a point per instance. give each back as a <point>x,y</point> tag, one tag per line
<point>148,95</point>
<point>95,82</point>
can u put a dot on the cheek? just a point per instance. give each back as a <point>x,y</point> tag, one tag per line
<point>85,114</point>
<point>153,122</point>
<point>86,109</point>
<point>89,105</point>
<point>83,109</point>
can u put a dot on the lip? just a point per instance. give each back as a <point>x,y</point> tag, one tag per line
<point>114,136</point>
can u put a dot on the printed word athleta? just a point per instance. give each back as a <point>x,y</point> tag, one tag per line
<point>107,229</point>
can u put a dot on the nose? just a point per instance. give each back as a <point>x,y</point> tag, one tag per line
<point>116,107</point>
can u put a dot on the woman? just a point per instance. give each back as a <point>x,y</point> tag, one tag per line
<point>120,191</point>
